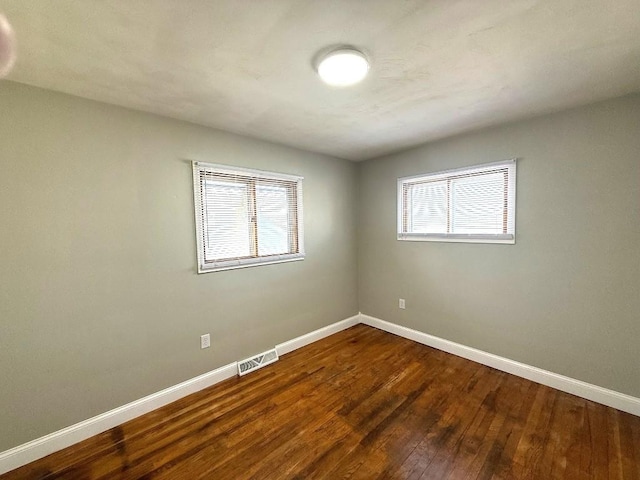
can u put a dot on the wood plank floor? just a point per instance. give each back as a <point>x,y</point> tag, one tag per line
<point>362,404</point>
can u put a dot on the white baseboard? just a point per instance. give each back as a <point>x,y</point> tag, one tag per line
<point>43,446</point>
<point>316,335</point>
<point>607,397</point>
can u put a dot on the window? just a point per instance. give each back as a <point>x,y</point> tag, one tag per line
<point>474,204</point>
<point>246,217</point>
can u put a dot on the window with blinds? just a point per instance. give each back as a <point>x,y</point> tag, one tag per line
<point>246,217</point>
<point>474,204</point>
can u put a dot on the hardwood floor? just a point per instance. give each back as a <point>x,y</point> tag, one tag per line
<point>362,404</point>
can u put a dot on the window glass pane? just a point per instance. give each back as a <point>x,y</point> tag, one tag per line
<point>272,208</point>
<point>473,204</point>
<point>428,207</point>
<point>478,204</point>
<point>246,217</point>
<point>226,220</point>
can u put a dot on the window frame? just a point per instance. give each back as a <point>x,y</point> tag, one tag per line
<point>505,238</point>
<point>250,177</point>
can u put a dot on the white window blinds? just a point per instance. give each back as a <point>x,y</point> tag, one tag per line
<point>246,217</point>
<point>475,204</point>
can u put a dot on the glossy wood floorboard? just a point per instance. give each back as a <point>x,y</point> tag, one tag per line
<point>362,404</point>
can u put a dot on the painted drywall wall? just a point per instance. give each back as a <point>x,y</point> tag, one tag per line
<point>566,296</point>
<point>99,300</point>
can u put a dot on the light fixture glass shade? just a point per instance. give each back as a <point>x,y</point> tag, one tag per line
<point>344,67</point>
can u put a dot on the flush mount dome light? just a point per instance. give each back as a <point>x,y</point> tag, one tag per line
<point>344,67</point>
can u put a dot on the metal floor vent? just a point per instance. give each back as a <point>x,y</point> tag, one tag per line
<point>259,361</point>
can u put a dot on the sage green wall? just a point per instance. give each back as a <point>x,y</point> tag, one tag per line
<point>99,300</point>
<point>100,304</point>
<point>566,296</point>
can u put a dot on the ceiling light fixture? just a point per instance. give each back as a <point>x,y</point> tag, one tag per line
<point>343,67</point>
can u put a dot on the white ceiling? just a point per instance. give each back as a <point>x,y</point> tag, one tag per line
<point>439,67</point>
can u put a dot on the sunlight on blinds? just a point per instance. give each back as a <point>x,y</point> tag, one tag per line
<point>478,204</point>
<point>226,220</point>
<point>273,220</point>
<point>428,207</point>
<point>471,204</point>
<point>246,217</point>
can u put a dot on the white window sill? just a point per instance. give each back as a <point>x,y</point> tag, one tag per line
<point>251,262</point>
<point>460,238</point>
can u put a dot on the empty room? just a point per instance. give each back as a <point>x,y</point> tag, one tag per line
<point>337,239</point>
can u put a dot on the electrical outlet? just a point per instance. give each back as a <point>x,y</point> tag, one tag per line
<point>401,303</point>
<point>205,341</point>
